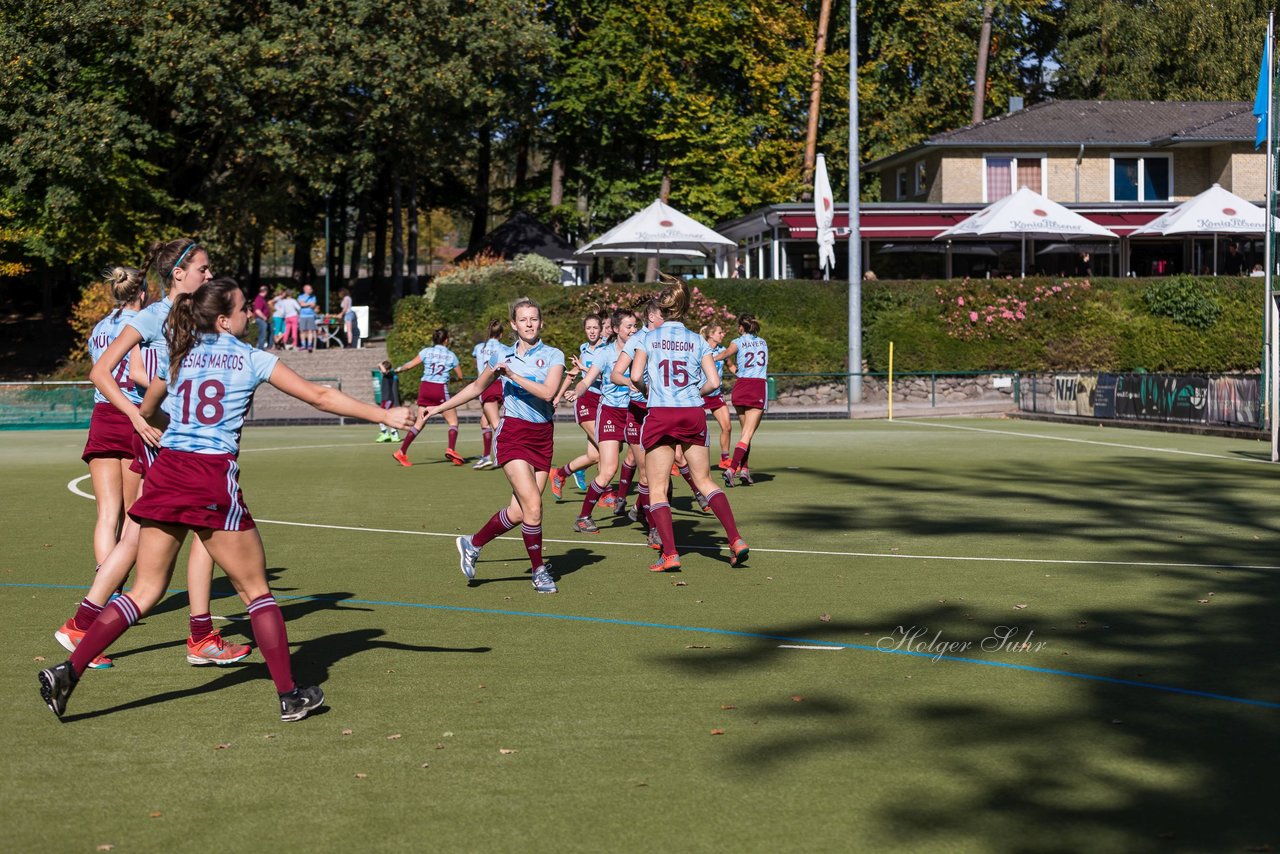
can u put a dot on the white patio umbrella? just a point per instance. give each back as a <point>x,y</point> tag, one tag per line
<point>1025,214</point>
<point>1213,212</point>
<point>658,230</point>
<point>824,212</point>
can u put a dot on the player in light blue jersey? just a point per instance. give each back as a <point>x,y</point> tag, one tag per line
<point>491,397</point>
<point>531,373</point>
<point>675,369</point>
<point>611,414</point>
<point>194,483</point>
<point>184,266</point>
<point>584,405</point>
<point>713,334</point>
<point>437,361</point>
<point>750,393</point>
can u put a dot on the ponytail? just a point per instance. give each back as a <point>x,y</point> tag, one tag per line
<point>748,324</point>
<point>196,314</point>
<point>125,285</point>
<point>673,300</point>
<point>168,256</point>
<point>440,336</point>
<point>495,328</point>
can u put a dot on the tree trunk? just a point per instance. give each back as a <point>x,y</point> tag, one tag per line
<point>984,49</point>
<point>480,205</point>
<point>413,237</point>
<point>357,242</point>
<point>255,269</point>
<point>664,193</point>
<point>339,235</point>
<point>397,241</point>
<point>378,273</point>
<point>522,168</point>
<point>815,100</point>
<point>557,180</point>
<point>303,270</point>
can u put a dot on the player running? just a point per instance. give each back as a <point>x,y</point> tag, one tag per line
<point>491,397</point>
<point>436,360</point>
<point>750,395</point>
<point>584,406</point>
<point>713,334</point>
<point>193,485</point>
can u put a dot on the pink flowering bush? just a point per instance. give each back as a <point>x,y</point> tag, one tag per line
<point>1002,308</point>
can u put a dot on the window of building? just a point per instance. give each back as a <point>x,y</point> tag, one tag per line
<point>922,179</point>
<point>1145,178</point>
<point>1006,173</point>
<point>902,184</point>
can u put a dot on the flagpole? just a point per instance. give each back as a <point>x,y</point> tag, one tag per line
<point>1270,361</point>
<point>855,230</point>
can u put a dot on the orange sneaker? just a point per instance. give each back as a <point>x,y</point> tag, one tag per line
<point>453,456</point>
<point>666,563</point>
<point>214,650</point>
<point>69,636</point>
<point>738,551</point>
<point>675,470</point>
<point>401,458</point>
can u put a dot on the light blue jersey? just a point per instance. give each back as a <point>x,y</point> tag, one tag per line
<point>484,351</point>
<point>753,357</point>
<point>673,366</point>
<point>611,393</point>
<point>306,305</point>
<point>534,365</point>
<point>634,343</point>
<point>150,325</point>
<point>100,339</point>
<point>437,362</point>
<point>717,391</point>
<point>587,356</point>
<point>212,392</point>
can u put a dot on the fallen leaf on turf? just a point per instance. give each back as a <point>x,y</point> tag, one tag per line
<point>481,684</point>
<point>1018,607</point>
<point>155,814</point>
<point>439,746</point>
<point>106,846</point>
<point>717,732</point>
<point>697,646</point>
<point>727,708</point>
<point>448,735</point>
<point>1203,601</point>
<point>39,658</point>
<point>506,751</point>
<point>360,775</point>
<point>679,584</point>
<point>825,618</point>
<point>223,746</point>
<point>391,671</point>
<point>796,698</point>
<point>393,737</point>
<point>347,731</point>
<point>270,735</point>
<point>426,764</point>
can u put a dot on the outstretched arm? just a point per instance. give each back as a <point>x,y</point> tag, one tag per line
<point>331,400</point>
<point>467,393</point>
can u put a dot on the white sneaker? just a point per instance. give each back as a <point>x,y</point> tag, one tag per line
<point>481,463</point>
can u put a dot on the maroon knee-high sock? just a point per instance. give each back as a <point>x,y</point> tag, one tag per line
<point>532,536</point>
<point>486,435</point>
<point>739,452</point>
<point>114,621</point>
<point>746,458</point>
<point>497,525</point>
<point>688,478</point>
<point>408,440</point>
<point>624,482</point>
<point>720,506</point>
<point>273,641</point>
<point>660,517</point>
<point>453,437</point>
<point>201,626</point>
<point>564,471</point>
<point>594,491</point>
<point>85,615</point>
<point>642,501</point>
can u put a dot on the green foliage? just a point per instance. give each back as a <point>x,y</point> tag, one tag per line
<point>544,270</point>
<point>415,320</point>
<point>1186,300</point>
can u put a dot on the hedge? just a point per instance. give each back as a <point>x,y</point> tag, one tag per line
<point>1112,324</point>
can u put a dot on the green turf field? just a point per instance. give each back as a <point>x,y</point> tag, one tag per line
<point>1142,714</point>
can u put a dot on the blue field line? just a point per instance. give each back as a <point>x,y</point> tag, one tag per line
<point>638,624</point>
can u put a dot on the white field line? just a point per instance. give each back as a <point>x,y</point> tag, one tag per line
<point>803,646</point>
<point>1021,435</point>
<point>73,486</point>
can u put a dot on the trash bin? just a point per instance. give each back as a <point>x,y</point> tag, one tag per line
<point>377,386</point>
<point>772,385</point>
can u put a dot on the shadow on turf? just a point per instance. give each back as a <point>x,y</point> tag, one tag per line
<point>1109,767</point>
<point>562,563</point>
<point>312,660</point>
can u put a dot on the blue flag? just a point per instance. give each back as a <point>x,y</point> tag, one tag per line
<point>1262,101</point>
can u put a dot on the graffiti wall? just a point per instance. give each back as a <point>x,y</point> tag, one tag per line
<point>1167,398</point>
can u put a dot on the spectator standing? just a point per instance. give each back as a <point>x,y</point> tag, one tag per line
<point>291,309</point>
<point>307,318</point>
<point>262,316</point>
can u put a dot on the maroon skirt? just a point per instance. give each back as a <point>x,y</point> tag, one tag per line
<point>195,490</point>
<point>711,404</point>
<point>432,394</point>
<point>111,434</point>
<point>635,419</point>
<point>584,408</point>
<point>674,425</point>
<point>611,424</point>
<point>751,394</point>
<point>517,439</point>
<point>143,456</point>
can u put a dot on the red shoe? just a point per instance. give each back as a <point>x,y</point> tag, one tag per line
<point>666,563</point>
<point>69,636</point>
<point>675,470</point>
<point>453,456</point>
<point>726,463</point>
<point>402,459</point>
<point>738,551</point>
<point>609,499</point>
<point>214,650</point>
<point>557,484</point>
